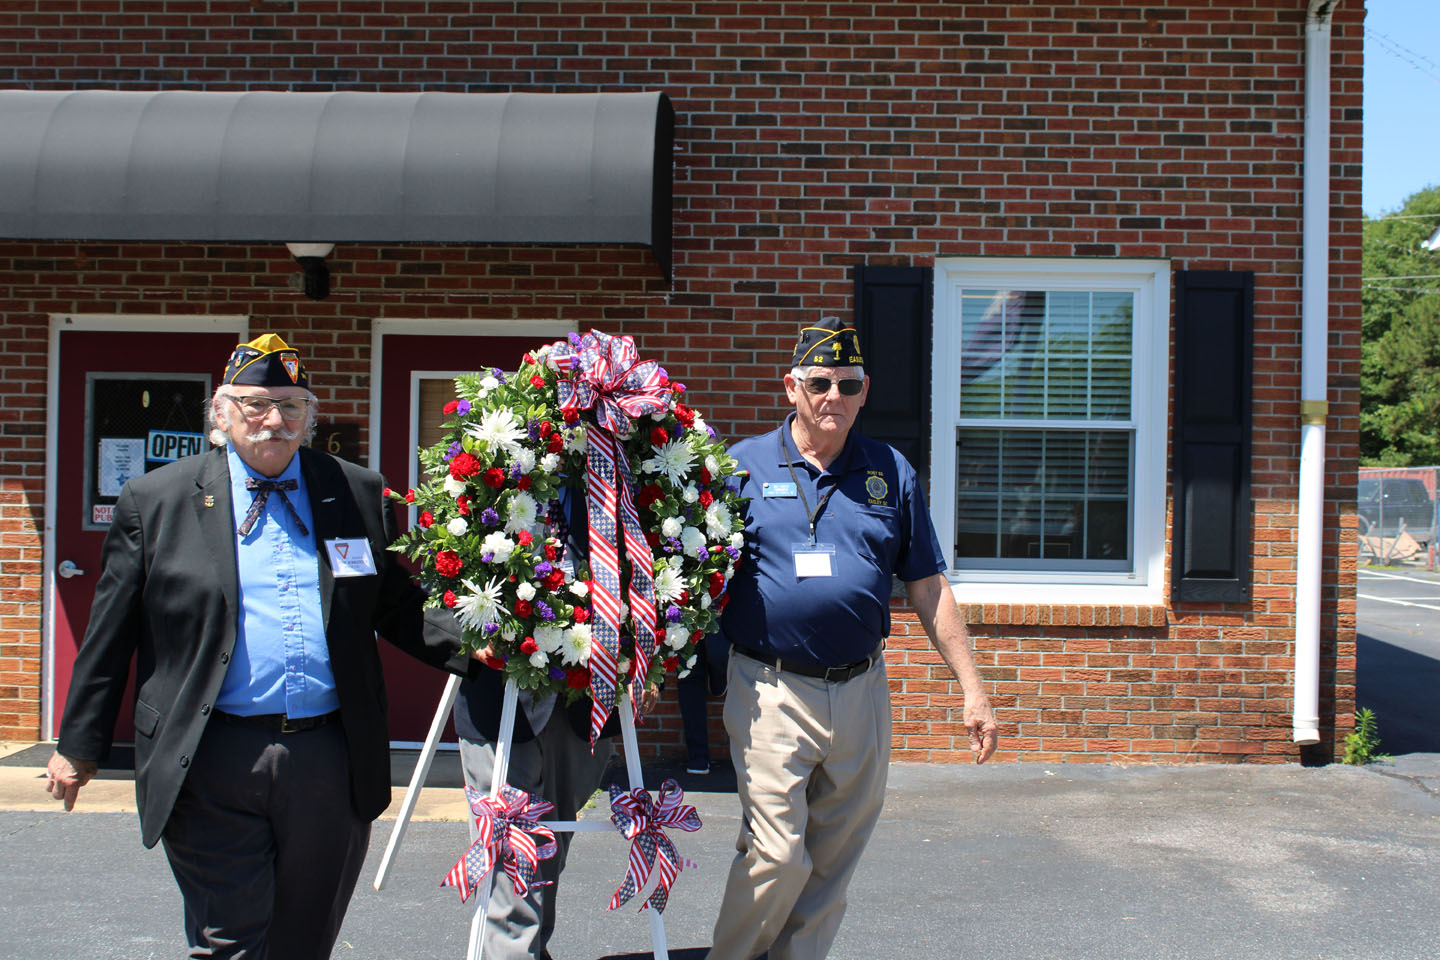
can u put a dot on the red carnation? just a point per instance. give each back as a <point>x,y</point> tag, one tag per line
<point>464,465</point>
<point>706,498</point>
<point>528,646</point>
<point>409,496</point>
<point>581,614</point>
<point>684,414</point>
<point>387,492</point>
<point>648,494</point>
<point>720,604</point>
<point>578,678</point>
<point>717,584</point>
<point>671,663</point>
<point>494,662</point>
<point>425,519</point>
<point>450,407</point>
<point>551,553</point>
<point>545,428</point>
<point>684,598</point>
<point>523,608</point>
<point>523,483</point>
<point>448,563</point>
<point>556,443</point>
<point>652,538</point>
<point>528,357</point>
<point>697,636</point>
<point>494,477</point>
<point>658,436</point>
<point>538,382</point>
<point>462,503</point>
<point>524,538</point>
<point>449,598</point>
<point>677,388</point>
<point>705,476</point>
<point>570,417</point>
<point>554,580</point>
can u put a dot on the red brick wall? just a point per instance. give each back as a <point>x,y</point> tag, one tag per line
<point>810,137</point>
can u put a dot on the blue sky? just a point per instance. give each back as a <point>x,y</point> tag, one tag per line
<point>1402,102</point>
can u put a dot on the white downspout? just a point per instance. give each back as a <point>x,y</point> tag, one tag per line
<point>1314,360</point>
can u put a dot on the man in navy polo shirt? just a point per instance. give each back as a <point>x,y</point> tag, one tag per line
<point>832,515</point>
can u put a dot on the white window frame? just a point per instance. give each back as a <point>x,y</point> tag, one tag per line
<point>1149,282</point>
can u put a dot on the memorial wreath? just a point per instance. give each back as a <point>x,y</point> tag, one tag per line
<point>585,418</point>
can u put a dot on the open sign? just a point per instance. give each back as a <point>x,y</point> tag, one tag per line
<point>166,445</point>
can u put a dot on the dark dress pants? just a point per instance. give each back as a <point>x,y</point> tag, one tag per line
<point>264,843</point>
<point>705,680</point>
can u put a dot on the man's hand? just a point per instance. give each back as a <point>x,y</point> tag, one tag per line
<point>65,776</point>
<point>487,656</point>
<point>649,699</point>
<point>984,730</point>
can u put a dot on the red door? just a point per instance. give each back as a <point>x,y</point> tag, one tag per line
<point>127,402</point>
<point>415,381</point>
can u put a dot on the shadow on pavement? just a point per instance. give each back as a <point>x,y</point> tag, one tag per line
<point>1399,685</point>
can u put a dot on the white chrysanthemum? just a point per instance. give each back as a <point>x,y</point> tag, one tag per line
<point>577,442</point>
<point>508,632</point>
<point>674,459</point>
<point>526,590</point>
<point>579,588</point>
<point>458,526</point>
<point>693,541</point>
<point>550,462</point>
<point>712,465</point>
<point>670,527</point>
<point>525,459</point>
<point>539,660</point>
<point>479,605</point>
<point>489,383</point>
<point>737,539</point>
<point>576,648</point>
<point>549,637</point>
<point>499,430</point>
<point>454,487</point>
<point>717,520</point>
<point>698,426</point>
<point>668,585</point>
<point>675,636</point>
<point>520,513</point>
<point>498,545</point>
<point>690,494</point>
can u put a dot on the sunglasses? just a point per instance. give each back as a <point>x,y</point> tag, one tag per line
<point>849,386</point>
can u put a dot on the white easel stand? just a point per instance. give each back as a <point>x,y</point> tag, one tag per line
<point>476,948</point>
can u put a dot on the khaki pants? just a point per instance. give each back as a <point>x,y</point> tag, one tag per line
<point>811,762</point>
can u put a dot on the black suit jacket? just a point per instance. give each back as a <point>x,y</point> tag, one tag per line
<point>168,593</point>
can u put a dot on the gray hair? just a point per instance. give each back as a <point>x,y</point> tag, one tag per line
<point>801,373</point>
<point>217,423</point>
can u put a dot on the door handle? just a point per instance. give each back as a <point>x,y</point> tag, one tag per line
<point>68,569</point>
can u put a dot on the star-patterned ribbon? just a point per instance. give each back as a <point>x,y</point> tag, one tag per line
<point>263,489</point>
<point>607,377</point>
<point>507,835</point>
<point>642,821</point>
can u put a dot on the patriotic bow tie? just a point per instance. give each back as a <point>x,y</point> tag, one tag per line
<point>642,820</point>
<point>263,489</point>
<point>506,831</point>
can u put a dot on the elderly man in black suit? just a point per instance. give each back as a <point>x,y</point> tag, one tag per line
<point>251,582</point>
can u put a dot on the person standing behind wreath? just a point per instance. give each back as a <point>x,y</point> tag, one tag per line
<point>251,582</point>
<point>832,516</point>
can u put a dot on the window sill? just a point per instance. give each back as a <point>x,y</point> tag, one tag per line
<point>1062,604</point>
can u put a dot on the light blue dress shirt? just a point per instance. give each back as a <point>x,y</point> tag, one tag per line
<point>281,663</point>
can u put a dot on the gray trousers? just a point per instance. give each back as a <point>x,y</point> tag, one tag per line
<point>264,843</point>
<point>559,767</point>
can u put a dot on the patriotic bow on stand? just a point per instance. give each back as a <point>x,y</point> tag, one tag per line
<point>605,375</point>
<point>508,831</point>
<point>642,822</point>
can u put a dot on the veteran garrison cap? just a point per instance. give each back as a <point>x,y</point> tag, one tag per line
<point>829,343</point>
<point>266,361</point>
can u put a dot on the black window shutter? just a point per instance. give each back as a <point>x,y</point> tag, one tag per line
<point>892,317</point>
<point>1214,343</point>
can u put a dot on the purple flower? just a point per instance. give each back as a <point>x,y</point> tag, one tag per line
<point>679,429</point>
<point>574,339</point>
<point>710,430</point>
<point>663,374</point>
<point>516,473</point>
<point>673,546</point>
<point>672,613</point>
<point>489,517</point>
<point>543,609</point>
<point>543,567</point>
<point>489,629</point>
<point>487,558</point>
<point>463,408</point>
<point>498,374</point>
<point>733,553</point>
<point>556,673</point>
<point>533,429</point>
<point>453,452</point>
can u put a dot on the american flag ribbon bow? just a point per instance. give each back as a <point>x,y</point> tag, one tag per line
<point>507,834</point>
<point>605,375</point>
<point>642,822</point>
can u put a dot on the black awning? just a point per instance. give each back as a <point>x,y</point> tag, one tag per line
<point>334,167</point>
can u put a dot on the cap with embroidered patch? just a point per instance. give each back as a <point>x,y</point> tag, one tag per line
<point>266,361</point>
<point>828,343</point>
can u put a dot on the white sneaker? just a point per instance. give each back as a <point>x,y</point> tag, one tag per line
<point>692,768</point>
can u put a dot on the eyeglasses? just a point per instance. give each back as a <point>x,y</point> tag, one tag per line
<point>258,408</point>
<point>849,386</point>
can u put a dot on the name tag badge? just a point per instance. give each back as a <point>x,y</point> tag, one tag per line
<point>351,558</point>
<point>778,490</point>
<point>813,560</point>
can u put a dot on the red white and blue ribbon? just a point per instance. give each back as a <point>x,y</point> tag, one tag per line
<point>607,376</point>
<point>508,832</point>
<point>642,821</point>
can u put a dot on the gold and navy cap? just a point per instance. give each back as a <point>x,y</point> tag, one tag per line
<point>266,361</point>
<point>828,343</point>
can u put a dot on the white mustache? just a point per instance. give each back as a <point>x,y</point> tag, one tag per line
<point>271,433</point>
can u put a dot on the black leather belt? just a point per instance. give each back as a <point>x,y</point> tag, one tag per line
<point>278,722</point>
<point>828,674</point>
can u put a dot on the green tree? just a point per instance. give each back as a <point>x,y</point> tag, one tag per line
<point>1400,337</point>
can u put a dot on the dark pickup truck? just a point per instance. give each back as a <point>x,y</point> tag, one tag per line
<point>1383,502</point>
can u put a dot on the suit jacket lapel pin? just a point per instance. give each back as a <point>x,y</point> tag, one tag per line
<point>209,500</point>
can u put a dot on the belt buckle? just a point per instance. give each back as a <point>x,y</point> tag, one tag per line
<point>840,674</point>
<point>290,726</point>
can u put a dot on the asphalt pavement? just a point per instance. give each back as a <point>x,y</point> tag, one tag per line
<point>1013,861</point>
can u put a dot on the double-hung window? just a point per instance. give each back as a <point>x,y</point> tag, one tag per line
<point>1048,446</point>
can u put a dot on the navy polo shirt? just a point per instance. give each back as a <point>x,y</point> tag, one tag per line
<point>876,519</point>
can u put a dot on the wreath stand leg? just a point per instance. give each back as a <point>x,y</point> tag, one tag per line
<point>500,769</point>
